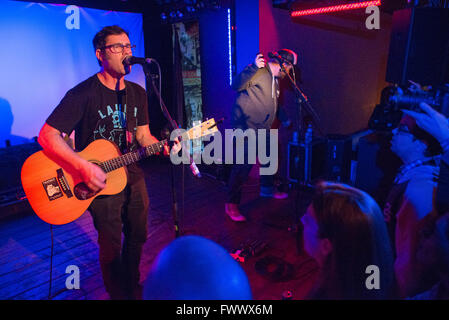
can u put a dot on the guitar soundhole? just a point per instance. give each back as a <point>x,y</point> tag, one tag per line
<point>83,192</point>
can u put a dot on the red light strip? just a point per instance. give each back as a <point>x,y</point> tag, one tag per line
<point>349,6</point>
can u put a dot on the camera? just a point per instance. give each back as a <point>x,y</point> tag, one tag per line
<point>437,99</point>
<point>394,99</point>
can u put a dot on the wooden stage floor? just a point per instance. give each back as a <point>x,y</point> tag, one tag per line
<point>25,240</point>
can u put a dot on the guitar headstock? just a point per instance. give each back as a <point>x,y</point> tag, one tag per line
<point>204,129</point>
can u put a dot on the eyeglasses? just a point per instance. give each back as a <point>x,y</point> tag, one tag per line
<point>118,47</point>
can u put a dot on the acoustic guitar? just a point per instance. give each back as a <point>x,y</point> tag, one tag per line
<point>59,196</point>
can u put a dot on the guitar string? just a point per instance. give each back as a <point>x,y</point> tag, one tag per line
<point>126,159</point>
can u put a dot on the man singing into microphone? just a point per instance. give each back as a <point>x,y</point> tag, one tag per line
<point>106,106</point>
<point>256,107</point>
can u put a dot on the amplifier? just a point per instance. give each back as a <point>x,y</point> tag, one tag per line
<point>331,159</point>
<point>296,160</point>
<point>338,158</point>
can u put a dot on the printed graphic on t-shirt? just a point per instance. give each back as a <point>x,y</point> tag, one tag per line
<point>112,125</point>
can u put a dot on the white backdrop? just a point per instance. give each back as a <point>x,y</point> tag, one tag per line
<point>46,49</point>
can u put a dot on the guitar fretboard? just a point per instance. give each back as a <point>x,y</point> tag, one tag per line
<point>131,157</point>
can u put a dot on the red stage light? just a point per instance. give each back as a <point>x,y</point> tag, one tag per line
<point>342,7</point>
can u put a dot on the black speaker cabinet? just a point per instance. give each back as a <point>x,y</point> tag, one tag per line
<point>296,160</point>
<point>419,47</point>
<point>338,158</point>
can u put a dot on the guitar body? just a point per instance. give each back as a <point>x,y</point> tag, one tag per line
<point>56,195</point>
<point>59,196</point>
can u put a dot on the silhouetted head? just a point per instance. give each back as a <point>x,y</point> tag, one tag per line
<point>195,268</point>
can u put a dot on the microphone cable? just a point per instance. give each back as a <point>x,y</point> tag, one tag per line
<point>51,262</point>
<point>160,81</point>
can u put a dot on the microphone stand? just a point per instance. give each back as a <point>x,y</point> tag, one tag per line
<point>302,100</point>
<point>303,103</point>
<point>174,126</point>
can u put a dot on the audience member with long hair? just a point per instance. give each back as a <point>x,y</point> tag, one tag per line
<point>345,233</point>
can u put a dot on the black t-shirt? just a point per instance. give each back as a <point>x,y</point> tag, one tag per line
<point>97,112</point>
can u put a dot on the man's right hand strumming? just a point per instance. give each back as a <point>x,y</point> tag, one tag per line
<point>93,176</point>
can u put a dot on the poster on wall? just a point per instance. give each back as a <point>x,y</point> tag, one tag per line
<point>188,38</point>
<point>189,43</point>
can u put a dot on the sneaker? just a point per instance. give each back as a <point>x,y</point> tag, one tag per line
<point>280,195</point>
<point>233,212</point>
<point>268,192</point>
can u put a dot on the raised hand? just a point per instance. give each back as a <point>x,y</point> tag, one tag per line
<point>260,61</point>
<point>415,87</point>
<point>431,121</point>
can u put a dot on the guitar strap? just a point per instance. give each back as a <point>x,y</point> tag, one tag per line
<point>130,128</point>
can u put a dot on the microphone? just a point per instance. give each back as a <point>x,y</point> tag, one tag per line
<point>130,60</point>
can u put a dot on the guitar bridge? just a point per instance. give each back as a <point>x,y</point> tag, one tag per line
<point>63,183</point>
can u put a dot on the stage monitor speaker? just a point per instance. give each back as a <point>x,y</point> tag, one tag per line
<point>296,157</point>
<point>338,158</point>
<point>419,47</point>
